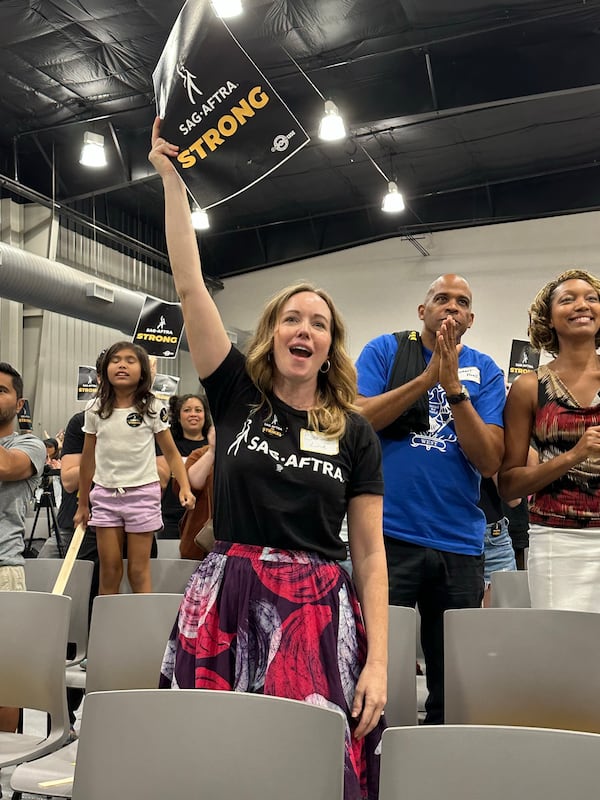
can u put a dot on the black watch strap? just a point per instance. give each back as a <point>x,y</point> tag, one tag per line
<point>454,399</point>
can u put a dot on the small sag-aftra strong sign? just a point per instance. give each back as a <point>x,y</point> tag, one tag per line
<point>523,358</point>
<point>87,382</point>
<point>165,386</point>
<point>24,417</point>
<point>159,328</point>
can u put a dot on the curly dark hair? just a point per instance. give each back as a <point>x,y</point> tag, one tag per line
<point>142,398</point>
<point>176,403</point>
<point>541,333</point>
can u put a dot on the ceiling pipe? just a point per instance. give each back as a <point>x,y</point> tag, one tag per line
<point>120,240</point>
<point>37,281</point>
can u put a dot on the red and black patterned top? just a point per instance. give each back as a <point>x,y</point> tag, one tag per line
<point>573,500</point>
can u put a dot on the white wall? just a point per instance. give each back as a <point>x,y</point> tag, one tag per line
<point>378,287</point>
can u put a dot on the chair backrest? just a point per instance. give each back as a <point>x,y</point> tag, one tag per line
<point>401,706</point>
<point>212,744</point>
<point>522,666</point>
<point>510,590</point>
<point>41,575</point>
<point>168,548</point>
<point>463,761</point>
<point>420,654</point>
<point>169,575</point>
<point>33,642</point>
<point>128,636</point>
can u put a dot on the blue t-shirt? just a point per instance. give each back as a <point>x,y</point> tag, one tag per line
<point>431,488</point>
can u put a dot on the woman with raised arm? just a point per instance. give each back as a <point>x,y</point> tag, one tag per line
<point>270,610</point>
<point>557,408</point>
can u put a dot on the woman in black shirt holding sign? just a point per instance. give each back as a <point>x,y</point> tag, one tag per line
<point>270,610</point>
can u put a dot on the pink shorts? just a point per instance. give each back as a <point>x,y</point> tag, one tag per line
<point>136,509</point>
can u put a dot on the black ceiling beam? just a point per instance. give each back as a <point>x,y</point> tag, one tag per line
<point>386,126</point>
<point>413,40</point>
<point>236,252</point>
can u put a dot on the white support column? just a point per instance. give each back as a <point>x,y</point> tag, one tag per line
<point>11,333</point>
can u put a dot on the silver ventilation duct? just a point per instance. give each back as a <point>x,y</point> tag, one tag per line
<point>37,281</point>
<point>31,279</point>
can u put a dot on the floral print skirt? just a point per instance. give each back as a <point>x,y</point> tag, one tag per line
<point>277,622</point>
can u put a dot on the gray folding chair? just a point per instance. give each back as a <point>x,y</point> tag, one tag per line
<point>212,744</point>
<point>422,692</point>
<point>522,666</point>
<point>401,706</point>
<point>127,641</point>
<point>168,548</point>
<point>33,637</point>
<point>510,590</point>
<point>496,763</point>
<point>168,575</point>
<point>128,636</point>
<point>41,575</point>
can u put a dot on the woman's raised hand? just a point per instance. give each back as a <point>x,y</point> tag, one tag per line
<point>162,152</point>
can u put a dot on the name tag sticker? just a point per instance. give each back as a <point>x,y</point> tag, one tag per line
<point>469,374</point>
<point>314,442</point>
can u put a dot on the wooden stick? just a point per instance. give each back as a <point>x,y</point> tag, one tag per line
<point>69,560</point>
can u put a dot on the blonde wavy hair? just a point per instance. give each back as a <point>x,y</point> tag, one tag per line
<point>336,389</point>
<point>541,333</point>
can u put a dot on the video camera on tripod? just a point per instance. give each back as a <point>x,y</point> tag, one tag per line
<point>47,475</point>
<point>45,500</point>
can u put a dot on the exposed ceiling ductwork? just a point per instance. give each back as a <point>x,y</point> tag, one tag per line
<point>28,278</point>
<point>480,111</point>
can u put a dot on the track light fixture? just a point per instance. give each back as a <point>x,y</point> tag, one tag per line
<point>92,152</point>
<point>200,219</point>
<point>332,126</point>
<point>393,202</point>
<point>227,8</point>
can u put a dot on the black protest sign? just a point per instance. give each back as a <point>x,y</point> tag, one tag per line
<point>159,328</point>
<point>165,386</point>
<point>523,358</point>
<point>87,382</point>
<point>231,126</point>
<point>24,417</point>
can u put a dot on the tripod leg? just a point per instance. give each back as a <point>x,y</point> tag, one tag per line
<point>51,511</point>
<point>29,543</point>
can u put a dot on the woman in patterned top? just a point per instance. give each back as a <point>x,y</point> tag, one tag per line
<point>557,409</point>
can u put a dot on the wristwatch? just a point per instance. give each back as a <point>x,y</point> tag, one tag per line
<point>454,399</point>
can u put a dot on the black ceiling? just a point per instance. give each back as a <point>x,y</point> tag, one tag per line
<point>481,111</point>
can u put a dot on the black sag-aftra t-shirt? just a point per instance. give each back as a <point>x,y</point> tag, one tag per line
<point>277,483</point>
<point>172,510</point>
<point>72,445</point>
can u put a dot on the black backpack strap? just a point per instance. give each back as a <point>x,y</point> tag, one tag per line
<point>408,364</point>
<point>397,374</point>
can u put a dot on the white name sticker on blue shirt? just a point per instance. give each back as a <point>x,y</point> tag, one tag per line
<point>314,442</point>
<point>469,374</point>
